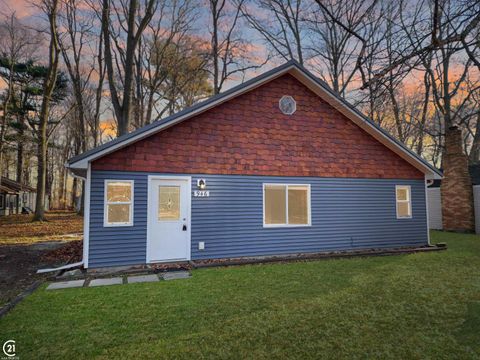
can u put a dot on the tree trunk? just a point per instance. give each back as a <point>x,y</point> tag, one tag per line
<point>74,193</point>
<point>214,44</point>
<point>20,152</point>
<point>81,209</point>
<point>61,187</point>
<point>48,87</point>
<point>41,176</point>
<point>474,156</point>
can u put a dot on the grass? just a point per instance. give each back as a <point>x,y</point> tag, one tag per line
<point>398,307</point>
<point>19,229</point>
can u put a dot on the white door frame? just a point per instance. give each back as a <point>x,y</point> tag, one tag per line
<point>189,211</point>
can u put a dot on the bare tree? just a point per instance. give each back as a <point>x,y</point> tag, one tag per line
<point>281,25</point>
<point>231,53</point>
<point>463,20</point>
<point>50,8</point>
<point>334,47</point>
<point>120,61</point>
<point>186,81</point>
<point>72,43</point>
<point>169,29</point>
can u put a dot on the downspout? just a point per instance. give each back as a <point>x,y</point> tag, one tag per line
<point>428,182</point>
<point>86,222</point>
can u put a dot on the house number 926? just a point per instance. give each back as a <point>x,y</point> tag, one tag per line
<point>201,193</point>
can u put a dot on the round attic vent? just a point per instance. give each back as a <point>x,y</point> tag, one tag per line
<point>287,105</point>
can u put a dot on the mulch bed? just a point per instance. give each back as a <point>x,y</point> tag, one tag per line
<point>314,256</point>
<point>171,267</point>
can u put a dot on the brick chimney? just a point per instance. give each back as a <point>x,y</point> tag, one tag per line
<point>456,189</point>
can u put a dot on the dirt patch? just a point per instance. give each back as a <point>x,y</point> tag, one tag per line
<point>26,247</point>
<point>18,266</point>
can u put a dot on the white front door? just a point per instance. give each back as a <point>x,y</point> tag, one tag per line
<point>168,229</point>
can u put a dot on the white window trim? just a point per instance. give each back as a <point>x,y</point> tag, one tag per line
<point>105,204</point>
<point>409,200</point>
<point>287,225</point>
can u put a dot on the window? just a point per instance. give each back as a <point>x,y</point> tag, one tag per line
<point>2,201</point>
<point>168,203</point>
<point>286,205</point>
<point>287,105</point>
<point>118,203</point>
<point>404,203</point>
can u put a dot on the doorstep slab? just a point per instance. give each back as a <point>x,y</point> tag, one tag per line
<point>107,281</point>
<point>66,284</point>
<point>176,275</point>
<point>142,278</point>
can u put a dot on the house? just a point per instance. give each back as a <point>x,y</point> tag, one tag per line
<point>277,165</point>
<point>15,197</point>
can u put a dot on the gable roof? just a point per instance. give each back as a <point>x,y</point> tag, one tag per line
<point>12,186</point>
<point>293,68</point>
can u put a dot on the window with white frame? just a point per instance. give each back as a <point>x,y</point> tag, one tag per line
<point>404,202</point>
<point>286,205</point>
<point>118,203</point>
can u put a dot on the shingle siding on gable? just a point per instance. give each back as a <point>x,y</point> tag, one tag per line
<point>249,135</point>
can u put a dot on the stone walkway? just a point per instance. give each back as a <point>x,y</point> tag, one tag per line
<point>119,280</point>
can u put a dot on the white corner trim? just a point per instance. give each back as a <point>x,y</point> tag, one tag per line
<point>105,204</point>
<point>86,217</point>
<point>427,212</point>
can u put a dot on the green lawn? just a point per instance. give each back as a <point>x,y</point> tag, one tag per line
<point>412,306</point>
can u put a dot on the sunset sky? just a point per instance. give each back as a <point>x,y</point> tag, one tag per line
<point>30,15</point>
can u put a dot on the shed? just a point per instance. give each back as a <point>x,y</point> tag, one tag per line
<point>15,197</point>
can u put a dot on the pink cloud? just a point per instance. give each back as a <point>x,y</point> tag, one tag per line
<point>21,8</point>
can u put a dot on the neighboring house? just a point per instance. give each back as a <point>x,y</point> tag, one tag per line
<point>277,165</point>
<point>435,218</point>
<point>15,197</point>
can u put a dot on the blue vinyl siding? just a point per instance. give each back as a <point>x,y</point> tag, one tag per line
<point>346,214</point>
<point>122,245</point>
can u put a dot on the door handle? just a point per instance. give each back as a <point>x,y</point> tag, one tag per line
<point>184,227</point>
